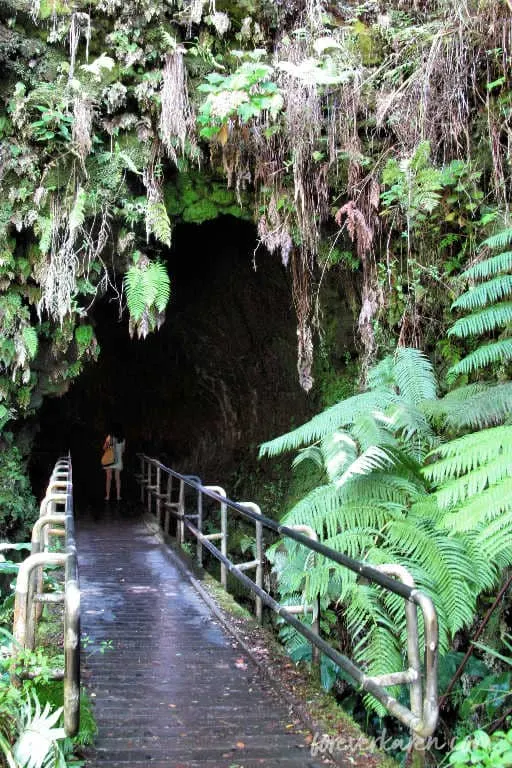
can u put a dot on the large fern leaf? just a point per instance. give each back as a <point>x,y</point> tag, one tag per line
<point>414,375</point>
<point>499,240</point>
<point>487,293</point>
<point>476,407</point>
<point>157,286</point>
<point>340,415</point>
<point>134,287</point>
<point>478,323</point>
<point>469,452</point>
<point>496,352</point>
<point>489,268</point>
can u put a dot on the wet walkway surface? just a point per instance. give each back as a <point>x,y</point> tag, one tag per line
<point>175,690</point>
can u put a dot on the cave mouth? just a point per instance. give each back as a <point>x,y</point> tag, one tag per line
<point>218,378</point>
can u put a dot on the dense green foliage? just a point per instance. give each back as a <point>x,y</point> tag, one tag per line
<point>17,505</point>
<point>371,142</point>
<point>335,128</point>
<point>417,480</point>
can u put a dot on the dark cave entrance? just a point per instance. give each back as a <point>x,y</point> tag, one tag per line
<point>218,378</point>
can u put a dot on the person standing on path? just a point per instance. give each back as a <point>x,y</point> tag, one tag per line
<point>117,441</point>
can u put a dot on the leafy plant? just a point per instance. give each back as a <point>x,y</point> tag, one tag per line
<point>147,288</point>
<point>375,504</point>
<point>483,750</point>
<point>489,310</point>
<point>245,94</point>
<point>17,505</point>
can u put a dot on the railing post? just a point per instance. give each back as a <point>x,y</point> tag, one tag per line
<point>259,556</point>
<point>199,551</point>
<point>148,487</point>
<point>168,500</point>
<point>180,526</point>
<point>24,630</point>
<point>142,477</point>
<point>158,501</point>
<point>223,535</point>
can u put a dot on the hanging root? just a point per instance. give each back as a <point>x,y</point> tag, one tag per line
<point>177,122</point>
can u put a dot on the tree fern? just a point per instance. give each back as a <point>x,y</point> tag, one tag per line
<point>490,292</point>
<point>414,376</point>
<point>495,352</point>
<point>493,313</point>
<point>374,504</point>
<point>499,240</point>
<point>476,406</point>
<point>478,323</point>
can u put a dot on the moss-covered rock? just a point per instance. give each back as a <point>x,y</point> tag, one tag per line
<point>195,197</point>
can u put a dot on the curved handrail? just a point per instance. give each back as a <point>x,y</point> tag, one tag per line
<point>422,716</point>
<point>29,592</point>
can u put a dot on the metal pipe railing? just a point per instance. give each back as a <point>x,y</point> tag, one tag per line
<point>421,717</point>
<point>29,595</point>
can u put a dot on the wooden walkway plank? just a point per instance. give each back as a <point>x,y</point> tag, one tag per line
<point>175,690</point>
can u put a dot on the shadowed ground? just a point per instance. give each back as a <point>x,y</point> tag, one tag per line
<point>176,690</point>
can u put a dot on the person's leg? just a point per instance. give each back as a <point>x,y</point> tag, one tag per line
<point>108,482</point>
<point>118,484</point>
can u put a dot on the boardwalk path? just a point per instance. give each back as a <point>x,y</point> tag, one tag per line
<point>176,691</point>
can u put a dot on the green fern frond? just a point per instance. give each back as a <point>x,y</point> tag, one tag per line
<point>340,415</point>
<point>373,459</point>
<point>482,508</point>
<point>487,293</point>
<point>381,375</point>
<point>488,268</point>
<point>499,240</point>
<point>158,223</point>
<point>411,425</point>
<point>497,316</point>
<point>484,406</point>
<point>372,429</point>
<point>157,285</point>
<point>496,352</point>
<point>414,375</point>
<point>77,214</point>
<point>339,451</point>
<point>134,287</point>
<point>385,654</point>
<point>494,541</point>
<point>352,542</point>
<point>446,560</point>
<point>31,340</point>
<point>45,227</point>
<point>310,453</point>
<point>469,452</point>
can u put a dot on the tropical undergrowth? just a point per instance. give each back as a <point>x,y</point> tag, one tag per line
<point>31,710</point>
<point>420,480</point>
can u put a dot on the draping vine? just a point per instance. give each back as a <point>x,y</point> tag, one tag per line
<point>337,128</point>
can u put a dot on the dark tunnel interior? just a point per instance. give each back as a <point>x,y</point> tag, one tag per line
<point>216,379</point>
